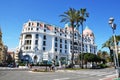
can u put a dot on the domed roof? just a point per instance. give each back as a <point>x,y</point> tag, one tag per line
<point>88,32</point>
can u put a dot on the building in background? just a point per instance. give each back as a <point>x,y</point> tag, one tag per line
<point>41,41</point>
<point>3,50</point>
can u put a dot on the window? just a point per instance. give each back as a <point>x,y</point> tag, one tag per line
<point>83,48</point>
<point>27,42</point>
<point>44,43</point>
<point>65,46</point>
<point>45,26</point>
<point>75,38</point>
<point>29,24</point>
<point>65,31</point>
<point>44,30</point>
<point>37,24</point>
<point>30,47</point>
<point>65,51</point>
<point>31,28</point>
<point>60,45</point>
<point>75,34</point>
<point>60,40</point>
<point>26,47</point>
<point>28,36</point>
<point>55,38</point>
<point>65,35</point>
<point>37,36</point>
<point>60,34</point>
<point>37,29</point>
<point>44,37</point>
<point>60,51</point>
<point>28,29</point>
<point>80,44</point>
<point>36,42</point>
<point>60,30</point>
<point>55,44</point>
<point>56,49</point>
<point>43,48</point>
<point>65,41</point>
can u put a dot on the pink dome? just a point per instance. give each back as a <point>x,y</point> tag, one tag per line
<point>88,32</point>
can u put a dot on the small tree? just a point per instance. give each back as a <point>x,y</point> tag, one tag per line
<point>9,59</point>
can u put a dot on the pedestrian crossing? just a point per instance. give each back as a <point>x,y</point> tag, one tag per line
<point>94,73</point>
<point>99,73</point>
<point>62,79</point>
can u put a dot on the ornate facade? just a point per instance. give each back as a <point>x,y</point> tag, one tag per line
<point>41,41</point>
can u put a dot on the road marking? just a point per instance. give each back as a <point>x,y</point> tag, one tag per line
<point>62,79</point>
<point>109,76</point>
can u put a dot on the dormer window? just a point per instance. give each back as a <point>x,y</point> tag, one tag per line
<point>29,24</point>
<point>45,26</point>
<point>44,30</point>
<point>38,24</point>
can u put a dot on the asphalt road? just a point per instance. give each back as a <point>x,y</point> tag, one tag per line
<point>90,74</point>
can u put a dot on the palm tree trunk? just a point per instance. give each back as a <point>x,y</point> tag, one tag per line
<point>72,46</point>
<point>82,47</point>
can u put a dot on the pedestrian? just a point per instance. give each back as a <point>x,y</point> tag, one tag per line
<point>30,66</point>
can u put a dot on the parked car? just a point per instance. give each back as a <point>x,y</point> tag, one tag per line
<point>11,65</point>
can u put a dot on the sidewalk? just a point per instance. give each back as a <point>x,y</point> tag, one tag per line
<point>13,69</point>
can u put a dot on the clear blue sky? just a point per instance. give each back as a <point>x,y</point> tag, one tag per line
<point>13,13</point>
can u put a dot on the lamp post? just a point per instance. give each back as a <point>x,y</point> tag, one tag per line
<point>116,61</point>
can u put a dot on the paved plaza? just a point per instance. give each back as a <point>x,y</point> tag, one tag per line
<point>87,74</point>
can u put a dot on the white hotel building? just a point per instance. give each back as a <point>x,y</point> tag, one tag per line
<point>40,41</point>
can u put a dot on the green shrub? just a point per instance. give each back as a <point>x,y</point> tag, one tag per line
<point>21,64</point>
<point>103,65</point>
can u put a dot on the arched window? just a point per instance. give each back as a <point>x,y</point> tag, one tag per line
<point>29,36</point>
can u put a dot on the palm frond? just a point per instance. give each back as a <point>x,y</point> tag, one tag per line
<point>66,20</point>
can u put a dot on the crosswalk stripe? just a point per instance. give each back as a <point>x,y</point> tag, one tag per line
<point>62,79</point>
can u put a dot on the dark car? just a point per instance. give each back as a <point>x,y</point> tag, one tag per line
<point>11,65</point>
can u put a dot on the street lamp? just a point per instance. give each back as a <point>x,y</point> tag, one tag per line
<point>116,61</point>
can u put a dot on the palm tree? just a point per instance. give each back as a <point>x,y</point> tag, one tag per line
<point>82,18</point>
<point>99,53</point>
<point>76,18</point>
<point>104,54</point>
<point>70,16</point>
<point>109,45</point>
